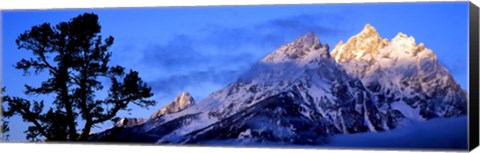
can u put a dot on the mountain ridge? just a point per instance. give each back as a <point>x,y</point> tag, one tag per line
<point>367,84</point>
<point>402,65</point>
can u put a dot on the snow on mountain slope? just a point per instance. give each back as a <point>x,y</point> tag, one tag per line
<point>278,118</point>
<point>401,71</point>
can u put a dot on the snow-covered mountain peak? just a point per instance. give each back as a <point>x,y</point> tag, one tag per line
<point>309,39</point>
<point>369,30</point>
<point>412,71</point>
<point>301,51</point>
<point>368,47</point>
<point>401,35</point>
<point>403,39</point>
<point>184,99</point>
<point>364,46</point>
<point>181,101</point>
<point>405,48</point>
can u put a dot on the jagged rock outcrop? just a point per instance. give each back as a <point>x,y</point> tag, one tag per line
<point>402,75</point>
<point>181,101</point>
<point>130,122</point>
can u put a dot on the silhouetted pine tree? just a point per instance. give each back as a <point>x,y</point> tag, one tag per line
<point>75,56</point>
<point>3,123</point>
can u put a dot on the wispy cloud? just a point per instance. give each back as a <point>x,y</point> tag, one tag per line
<point>186,53</point>
<point>274,32</point>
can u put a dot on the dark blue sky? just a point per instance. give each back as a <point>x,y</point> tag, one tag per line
<point>201,49</point>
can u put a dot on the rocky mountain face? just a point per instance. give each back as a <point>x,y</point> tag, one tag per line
<point>181,101</point>
<point>300,94</point>
<point>401,74</point>
<point>317,96</point>
<point>130,122</point>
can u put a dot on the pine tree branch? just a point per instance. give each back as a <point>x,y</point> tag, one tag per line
<point>22,106</point>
